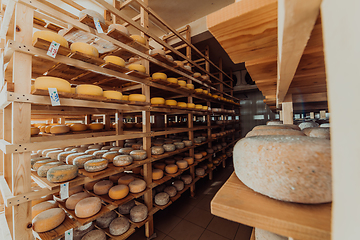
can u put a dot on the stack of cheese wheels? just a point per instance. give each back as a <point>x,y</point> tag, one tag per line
<point>157,100</point>
<point>89,89</point>
<point>290,173</point>
<point>138,185</point>
<point>78,127</point>
<point>138,39</point>
<point>261,234</point>
<point>136,67</point>
<point>84,48</point>
<point>120,28</point>
<point>137,97</point>
<point>115,60</point>
<point>172,80</point>
<point>52,82</point>
<point>110,94</point>
<point>48,219</point>
<point>88,207</point>
<point>171,102</point>
<point>159,76</point>
<point>50,37</point>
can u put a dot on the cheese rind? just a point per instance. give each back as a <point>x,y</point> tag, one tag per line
<point>119,226</point>
<point>137,67</point>
<point>138,185</point>
<point>50,37</point>
<point>182,164</point>
<point>48,219</point>
<point>172,80</point>
<point>74,199</point>
<point>126,179</point>
<point>43,206</point>
<point>138,38</point>
<point>105,220</point>
<point>118,192</point>
<point>62,173</point>
<point>157,150</point>
<point>126,207</point>
<point>171,190</point>
<point>122,160</point>
<point>157,174</point>
<point>84,48</point>
<point>171,102</point>
<point>138,155</point>
<point>178,184</point>
<point>42,171</point>
<point>88,207</point>
<point>81,160</point>
<point>78,127</point>
<point>186,178</point>
<point>96,165</point>
<point>52,82</point>
<point>112,94</point>
<point>171,169</point>
<point>115,60</point>
<point>138,213</point>
<point>159,75</point>
<point>110,155</point>
<point>89,89</point>
<point>157,100</point>
<point>162,199</point>
<point>137,97</point>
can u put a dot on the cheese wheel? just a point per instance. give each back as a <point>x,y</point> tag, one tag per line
<point>99,153</point>
<point>169,147</point>
<point>157,100</point>
<point>205,91</point>
<point>73,90</point>
<point>82,230</point>
<point>43,206</point>
<point>47,128</point>
<point>126,151</point>
<point>200,171</point>
<point>54,154</point>
<point>119,226</point>
<point>261,234</point>
<point>105,220</point>
<point>182,104</point>
<point>96,126</point>
<point>157,150</point>
<point>138,38</point>
<point>138,155</point>
<point>94,234</point>
<point>113,94</point>
<point>35,131</point>
<point>137,97</point>
<point>91,13</point>
<point>157,51</point>
<point>138,213</point>
<point>42,171</point>
<point>159,75</point>
<point>125,97</point>
<point>91,151</point>
<point>122,160</point>
<point>81,160</point>
<point>89,89</point>
<point>178,184</point>
<point>304,125</point>
<point>136,146</point>
<point>126,207</point>
<point>171,102</point>
<point>179,145</point>
<point>271,127</point>
<point>157,174</point>
<point>162,199</point>
<point>95,165</point>
<point>187,179</point>
<point>210,165</point>
<point>171,190</point>
<point>52,82</point>
<point>189,160</point>
<point>78,127</point>
<point>115,60</point>
<point>50,37</point>
<point>137,67</point>
<point>191,105</point>
<point>79,149</point>
<point>120,28</point>
<point>70,158</point>
<point>74,199</point>
<point>190,86</point>
<point>118,192</point>
<point>199,90</point>
<point>48,219</point>
<point>40,163</point>
<point>126,179</point>
<point>159,165</point>
<point>205,153</point>
<point>182,164</point>
<point>172,80</point>
<point>290,173</point>
<point>198,106</point>
<point>84,48</point>
<point>138,185</point>
<point>261,132</point>
<point>62,173</point>
<point>171,169</point>
<point>187,67</point>
<point>95,146</point>
<point>90,185</point>
<point>110,155</point>
<point>179,63</point>
<point>59,129</point>
<point>115,178</point>
<point>320,132</point>
<point>88,207</point>
<point>197,74</point>
<point>170,58</point>
<point>205,107</point>
<point>187,143</point>
<point>114,149</point>
<point>182,83</point>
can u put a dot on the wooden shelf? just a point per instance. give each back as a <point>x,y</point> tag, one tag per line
<point>237,202</point>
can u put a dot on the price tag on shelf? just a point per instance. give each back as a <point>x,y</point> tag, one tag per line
<point>98,25</point>
<point>214,155</point>
<point>54,97</point>
<point>53,49</point>
<point>64,190</point>
<point>69,234</point>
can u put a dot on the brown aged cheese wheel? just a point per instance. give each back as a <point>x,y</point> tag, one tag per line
<point>82,230</point>
<point>102,187</point>
<point>157,150</point>
<point>189,160</point>
<point>126,150</point>
<point>126,207</point>
<point>43,206</point>
<point>88,207</point>
<point>123,160</point>
<point>157,174</point>
<point>162,198</point>
<point>138,155</point>
<point>48,219</point>
<point>110,155</point>
<point>138,213</point>
<point>81,160</point>
<point>62,156</point>
<point>263,132</point>
<point>178,184</point>
<point>138,185</point>
<point>90,185</point>
<point>74,199</point>
<point>40,163</point>
<point>171,169</point>
<point>115,178</point>
<point>99,153</point>
<point>94,234</point>
<point>70,158</point>
<point>126,179</point>
<point>171,190</point>
<point>96,165</point>
<point>62,173</point>
<point>288,168</point>
<point>105,220</point>
<point>119,226</point>
<point>186,178</point>
<point>42,171</point>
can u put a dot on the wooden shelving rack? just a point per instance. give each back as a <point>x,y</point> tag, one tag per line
<point>23,60</point>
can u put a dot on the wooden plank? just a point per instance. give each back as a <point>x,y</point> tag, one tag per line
<point>296,21</point>
<point>237,202</point>
<point>43,44</point>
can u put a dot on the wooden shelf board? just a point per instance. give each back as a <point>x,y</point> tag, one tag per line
<point>89,21</point>
<point>237,202</point>
<point>163,206</point>
<point>163,59</point>
<point>120,36</point>
<point>43,44</point>
<point>57,232</point>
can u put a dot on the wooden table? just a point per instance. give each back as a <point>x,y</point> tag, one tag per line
<point>237,202</point>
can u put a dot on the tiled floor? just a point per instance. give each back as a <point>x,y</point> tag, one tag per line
<point>191,219</point>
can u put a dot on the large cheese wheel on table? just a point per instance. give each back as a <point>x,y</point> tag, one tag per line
<point>119,226</point>
<point>162,199</point>
<point>43,206</point>
<point>48,219</point>
<point>95,165</point>
<point>89,89</point>
<point>94,234</point>
<point>84,48</point>
<point>74,199</point>
<point>138,213</point>
<point>50,37</point>
<point>288,168</point>
<point>122,160</point>
<point>88,207</point>
<point>138,185</point>
<point>261,234</point>
<point>102,187</point>
<point>62,173</point>
<point>126,207</point>
<point>118,192</point>
<point>105,220</point>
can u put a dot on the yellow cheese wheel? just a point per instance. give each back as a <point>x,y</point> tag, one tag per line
<point>171,102</point>
<point>74,199</point>
<point>179,63</point>
<point>113,95</point>
<point>157,174</point>
<point>198,156</point>
<point>78,127</point>
<point>182,164</point>
<point>115,60</point>
<point>43,206</point>
<point>96,126</point>
<point>89,89</point>
<point>198,106</point>
<point>157,100</point>
<point>126,179</point>
<point>59,129</point>
<point>171,168</point>
<point>47,128</point>
<point>48,219</point>
<point>88,207</point>
<point>215,96</point>
<point>52,82</point>
<point>197,74</point>
<point>191,105</point>
<point>190,86</point>
<point>205,107</point>
<point>138,38</point>
<point>210,165</point>
<point>118,192</point>
<point>102,187</point>
<point>40,163</point>
<point>182,83</point>
<point>182,104</point>
<point>96,165</point>
<point>138,185</point>
<point>50,36</point>
<point>137,67</point>
<point>137,97</point>
<point>159,75</point>
<point>84,48</point>
<point>172,80</point>
<point>199,90</point>
<point>125,97</point>
<point>73,90</point>
<point>35,131</point>
<point>62,173</point>
<point>205,91</point>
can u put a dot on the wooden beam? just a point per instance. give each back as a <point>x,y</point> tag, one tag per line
<point>180,31</point>
<point>311,97</point>
<point>73,4</point>
<point>287,110</point>
<point>295,23</point>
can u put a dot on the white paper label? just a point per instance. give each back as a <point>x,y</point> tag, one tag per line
<point>53,49</point>
<point>214,155</point>
<point>64,190</point>
<point>54,97</point>
<point>69,234</point>
<point>98,26</point>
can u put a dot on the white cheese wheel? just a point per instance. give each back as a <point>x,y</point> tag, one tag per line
<point>179,145</point>
<point>138,155</point>
<point>119,226</point>
<point>43,206</point>
<point>261,234</point>
<point>119,27</point>
<point>112,94</point>
<point>102,187</point>
<point>178,184</point>
<point>48,219</point>
<point>157,100</point>
<point>137,67</point>
<point>52,82</point>
<point>137,97</point>
<point>157,150</point>
<point>50,37</point>
<point>105,220</point>
<point>74,199</point>
<point>115,60</point>
<point>89,89</point>
<point>159,76</point>
<point>157,174</point>
<point>171,169</point>
<point>84,48</point>
<point>138,38</point>
<point>138,213</point>
<point>126,179</point>
<point>110,155</point>
<point>118,192</point>
<point>171,190</point>
<point>172,80</point>
<point>126,207</point>
<point>187,143</point>
<point>290,173</point>
<point>96,165</point>
<point>169,147</point>
<point>81,160</point>
<point>138,185</point>
<point>200,171</point>
<point>78,127</point>
<point>88,207</point>
<point>171,102</point>
<point>162,199</point>
<point>94,234</point>
<point>186,178</point>
<point>122,160</point>
<point>182,164</point>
